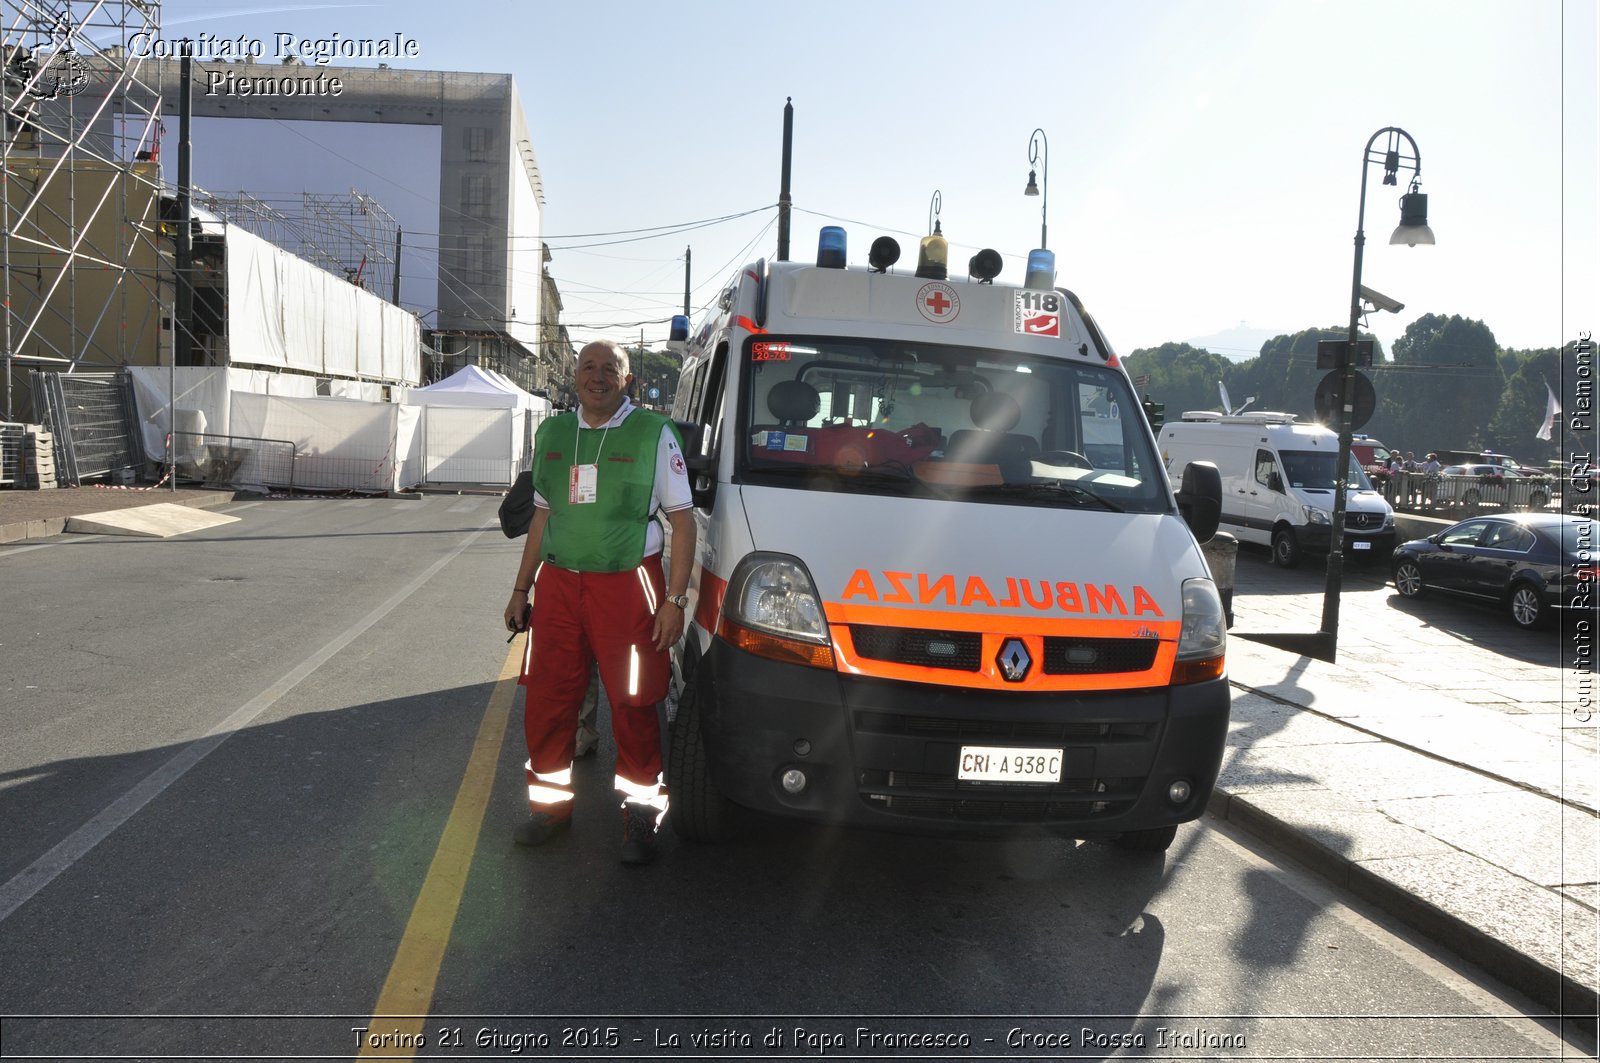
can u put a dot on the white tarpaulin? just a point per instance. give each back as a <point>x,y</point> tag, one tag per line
<point>284,312</point>
<point>475,386</point>
<point>339,444</point>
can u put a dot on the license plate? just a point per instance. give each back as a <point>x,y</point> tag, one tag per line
<point>1008,764</point>
<point>1361,544</point>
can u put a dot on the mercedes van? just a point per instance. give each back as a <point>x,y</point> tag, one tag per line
<point>943,582</point>
<point>1278,483</point>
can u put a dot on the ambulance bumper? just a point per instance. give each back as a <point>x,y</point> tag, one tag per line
<point>883,753</point>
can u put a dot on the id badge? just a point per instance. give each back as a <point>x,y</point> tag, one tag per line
<point>583,484</point>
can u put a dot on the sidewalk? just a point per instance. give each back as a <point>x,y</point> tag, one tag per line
<point>1442,769</point>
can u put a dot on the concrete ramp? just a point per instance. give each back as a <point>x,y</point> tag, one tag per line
<point>160,521</point>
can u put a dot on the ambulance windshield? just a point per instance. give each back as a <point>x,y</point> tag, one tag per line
<point>887,416</point>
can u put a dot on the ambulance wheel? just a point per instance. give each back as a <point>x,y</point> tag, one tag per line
<point>698,811</point>
<point>1154,840</point>
<point>1285,548</point>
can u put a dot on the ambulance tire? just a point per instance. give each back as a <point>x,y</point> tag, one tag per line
<point>1285,548</point>
<point>698,811</point>
<point>1154,840</point>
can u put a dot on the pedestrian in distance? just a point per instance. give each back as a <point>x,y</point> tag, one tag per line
<point>590,589</point>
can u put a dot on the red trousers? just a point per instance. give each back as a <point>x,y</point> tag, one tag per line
<point>605,617</point>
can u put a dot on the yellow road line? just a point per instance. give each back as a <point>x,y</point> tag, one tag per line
<point>407,994</point>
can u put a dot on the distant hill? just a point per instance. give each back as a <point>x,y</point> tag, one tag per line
<point>1236,344</point>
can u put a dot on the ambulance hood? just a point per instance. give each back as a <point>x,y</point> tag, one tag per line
<point>947,557</point>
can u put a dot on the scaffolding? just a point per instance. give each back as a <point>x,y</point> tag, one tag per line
<point>80,195</point>
<point>352,236</point>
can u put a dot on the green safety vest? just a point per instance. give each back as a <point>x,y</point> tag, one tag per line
<point>606,535</point>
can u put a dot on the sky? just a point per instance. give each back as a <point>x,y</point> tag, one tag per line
<point>1204,158</point>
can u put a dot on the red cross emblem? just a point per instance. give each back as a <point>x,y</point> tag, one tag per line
<point>938,302</point>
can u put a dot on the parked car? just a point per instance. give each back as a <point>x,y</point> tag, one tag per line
<point>1530,564</point>
<point>1476,484</point>
<point>1504,462</point>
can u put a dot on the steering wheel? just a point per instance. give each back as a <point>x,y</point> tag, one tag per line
<point>1069,458</point>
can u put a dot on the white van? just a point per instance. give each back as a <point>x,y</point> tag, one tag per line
<point>1278,483</point>
<point>943,581</point>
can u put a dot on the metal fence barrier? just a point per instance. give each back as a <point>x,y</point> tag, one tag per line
<point>235,461</point>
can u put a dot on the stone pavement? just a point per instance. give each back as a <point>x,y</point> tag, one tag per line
<point>1445,768</point>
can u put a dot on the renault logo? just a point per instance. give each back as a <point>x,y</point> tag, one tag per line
<point>1013,660</point>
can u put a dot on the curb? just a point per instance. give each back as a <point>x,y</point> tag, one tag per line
<point>1563,995</point>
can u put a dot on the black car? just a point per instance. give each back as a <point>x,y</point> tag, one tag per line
<point>1530,563</point>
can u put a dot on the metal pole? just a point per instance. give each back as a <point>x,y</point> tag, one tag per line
<point>688,256</point>
<point>1329,632</point>
<point>182,318</point>
<point>783,186</point>
<point>398,233</point>
<point>1035,155</point>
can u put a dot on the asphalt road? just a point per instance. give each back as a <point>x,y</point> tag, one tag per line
<point>257,791</point>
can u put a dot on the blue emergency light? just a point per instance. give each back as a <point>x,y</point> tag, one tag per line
<point>830,247</point>
<point>1041,269</point>
<point>679,329</point>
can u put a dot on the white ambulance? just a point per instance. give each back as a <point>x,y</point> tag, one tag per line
<point>1278,483</point>
<point>943,581</point>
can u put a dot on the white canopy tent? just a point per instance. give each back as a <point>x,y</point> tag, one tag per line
<point>477,427</point>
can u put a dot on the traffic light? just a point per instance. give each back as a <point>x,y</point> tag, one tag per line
<point>1155,413</point>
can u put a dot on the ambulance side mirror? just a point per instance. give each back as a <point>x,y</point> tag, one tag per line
<point>702,467</point>
<point>1200,499</point>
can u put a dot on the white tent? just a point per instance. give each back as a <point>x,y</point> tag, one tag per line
<point>475,386</point>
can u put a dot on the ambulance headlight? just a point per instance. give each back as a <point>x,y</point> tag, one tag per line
<point>1316,516</point>
<point>1203,640</point>
<point>773,593</point>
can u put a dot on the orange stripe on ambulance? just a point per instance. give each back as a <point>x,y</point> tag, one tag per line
<point>919,588</point>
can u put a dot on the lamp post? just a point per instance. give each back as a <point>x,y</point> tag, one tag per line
<point>1413,230</point>
<point>1039,161</point>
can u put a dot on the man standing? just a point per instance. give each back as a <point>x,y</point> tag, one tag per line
<point>598,594</point>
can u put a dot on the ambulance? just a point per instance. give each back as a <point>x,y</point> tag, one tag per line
<point>942,582</point>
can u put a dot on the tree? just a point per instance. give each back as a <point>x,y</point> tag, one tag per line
<point>1443,387</point>
<point>1522,406</point>
<point>1181,376</point>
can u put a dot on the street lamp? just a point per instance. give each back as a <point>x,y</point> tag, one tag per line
<point>1413,230</point>
<point>1039,159</point>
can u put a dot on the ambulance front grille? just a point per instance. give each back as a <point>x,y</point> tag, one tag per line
<point>981,730</point>
<point>921,794</point>
<point>957,650</point>
<point>962,651</point>
<point>1086,656</point>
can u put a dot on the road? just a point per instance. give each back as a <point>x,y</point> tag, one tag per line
<point>257,794</point>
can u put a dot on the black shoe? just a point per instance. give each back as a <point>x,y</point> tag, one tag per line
<point>543,826</point>
<point>638,833</point>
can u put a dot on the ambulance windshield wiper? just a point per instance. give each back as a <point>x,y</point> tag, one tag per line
<point>1048,491</point>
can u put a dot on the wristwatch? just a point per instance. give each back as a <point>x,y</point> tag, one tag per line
<point>679,600</point>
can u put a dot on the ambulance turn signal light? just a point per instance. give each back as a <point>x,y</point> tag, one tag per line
<point>1197,671</point>
<point>774,648</point>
